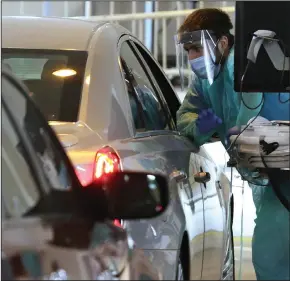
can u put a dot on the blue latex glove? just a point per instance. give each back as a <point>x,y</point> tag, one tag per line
<point>207,121</point>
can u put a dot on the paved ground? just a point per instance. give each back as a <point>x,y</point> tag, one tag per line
<point>242,229</point>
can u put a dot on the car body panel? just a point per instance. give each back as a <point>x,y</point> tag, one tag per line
<point>46,33</point>
<point>104,93</point>
<point>214,215</point>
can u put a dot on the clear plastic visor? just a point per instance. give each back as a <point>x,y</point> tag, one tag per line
<point>196,52</point>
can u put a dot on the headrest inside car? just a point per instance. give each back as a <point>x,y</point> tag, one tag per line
<point>49,67</point>
<point>7,66</point>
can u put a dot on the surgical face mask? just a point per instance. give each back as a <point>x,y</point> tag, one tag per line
<point>198,67</point>
<point>205,68</point>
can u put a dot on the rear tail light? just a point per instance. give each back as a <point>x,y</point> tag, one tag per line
<point>107,162</point>
<point>118,223</point>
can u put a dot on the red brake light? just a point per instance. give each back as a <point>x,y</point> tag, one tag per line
<point>118,223</point>
<point>107,161</point>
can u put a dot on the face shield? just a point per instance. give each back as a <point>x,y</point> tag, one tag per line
<point>197,51</point>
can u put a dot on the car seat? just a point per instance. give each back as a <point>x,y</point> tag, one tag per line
<point>47,91</point>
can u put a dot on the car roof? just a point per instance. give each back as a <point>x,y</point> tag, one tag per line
<point>47,33</point>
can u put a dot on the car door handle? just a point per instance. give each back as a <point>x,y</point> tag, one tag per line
<point>218,185</point>
<point>179,175</point>
<point>202,177</point>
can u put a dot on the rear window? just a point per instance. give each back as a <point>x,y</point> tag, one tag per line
<point>54,79</point>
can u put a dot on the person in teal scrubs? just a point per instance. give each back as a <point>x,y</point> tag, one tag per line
<point>212,106</point>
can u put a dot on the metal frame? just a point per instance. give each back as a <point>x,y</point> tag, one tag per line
<point>172,131</point>
<point>139,18</point>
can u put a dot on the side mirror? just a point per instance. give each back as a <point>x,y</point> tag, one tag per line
<point>130,195</point>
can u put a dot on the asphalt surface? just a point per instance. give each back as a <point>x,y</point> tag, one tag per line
<point>243,235</point>
<point>244,216</point>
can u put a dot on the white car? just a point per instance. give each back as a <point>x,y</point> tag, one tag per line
<point>40,190</point>
<point>113,108</point>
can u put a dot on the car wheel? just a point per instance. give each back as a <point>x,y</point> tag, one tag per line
<point>229,261</point>
<point>179,271</point>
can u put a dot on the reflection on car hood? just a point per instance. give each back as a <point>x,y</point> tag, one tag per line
<point>81,144</point>
<point>73,133</point>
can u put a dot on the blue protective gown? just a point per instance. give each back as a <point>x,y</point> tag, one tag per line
<point>224,101</point>
<point>271,234</point>
<point>271,245</point>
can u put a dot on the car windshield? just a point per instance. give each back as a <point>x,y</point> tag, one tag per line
<point>54,79</point>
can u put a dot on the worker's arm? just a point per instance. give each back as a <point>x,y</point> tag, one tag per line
<point>188,113</point>
<point>250,107</point>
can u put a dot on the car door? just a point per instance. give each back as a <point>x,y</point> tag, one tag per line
<point>29,174</point>
<point>215,219</point>
<point>40,237</point>
<point>161,148</point>
<point>214,210</point>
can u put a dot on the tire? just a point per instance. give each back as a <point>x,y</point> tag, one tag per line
<point>229,261</point>
<point>179,270</point>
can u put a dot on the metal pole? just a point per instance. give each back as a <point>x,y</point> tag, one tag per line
<point>242,233</point>
<point>164,44</point>
<point>141,30</point>
<point>88,9</point>
<point>148,26</point>
<point>134,10</point>
<point>21,8</point>
<point>155,33</point>
<point>66,9</point>
<point>45,8</point>
<point>112,8</point>
<point>178,21</point>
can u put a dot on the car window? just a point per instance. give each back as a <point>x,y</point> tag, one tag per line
<point>30,157</point>
<point>163,84</point>
<point>135,105</point>
<point>153,116</point>
<point>54,79</point>
<point>28,67</point>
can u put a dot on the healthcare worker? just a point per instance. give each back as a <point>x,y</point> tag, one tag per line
<point>212,106</point>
